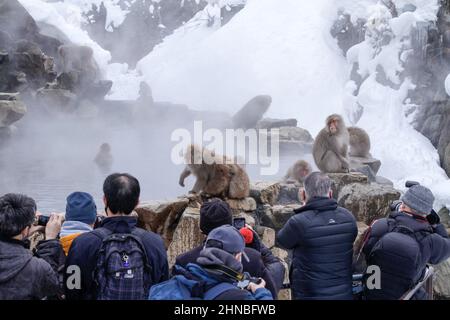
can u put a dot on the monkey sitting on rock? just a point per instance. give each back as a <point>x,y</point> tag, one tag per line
<point>330,149</point>
<point>359,142</point>
<point>215,177</point>
<point>298,172</point>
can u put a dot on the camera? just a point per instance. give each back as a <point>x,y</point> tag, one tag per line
<point>243,284</point>
<point>42,220</point>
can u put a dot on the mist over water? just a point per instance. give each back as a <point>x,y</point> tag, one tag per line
<point>49,158</point>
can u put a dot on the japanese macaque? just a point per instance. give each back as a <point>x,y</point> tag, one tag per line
<point>214,176</point>
<point>331,146</point>
<point>359,143</point>
<point>298,172</point>
<point>249,115</point>
<point>78,58</point>
<point>104,158</point>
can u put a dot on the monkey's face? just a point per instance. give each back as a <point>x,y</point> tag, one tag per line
<point>333,125</point>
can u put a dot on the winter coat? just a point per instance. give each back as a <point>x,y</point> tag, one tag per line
<point>24,276</point>
<point>321,235</point>
<point>84,250</point>
<point>69,231</point>
<point>434,245</point>
<point>254,266</point>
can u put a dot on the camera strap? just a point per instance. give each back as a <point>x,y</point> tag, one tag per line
<point>226,271</point>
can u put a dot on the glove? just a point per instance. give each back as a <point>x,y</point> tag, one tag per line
<point>433,218</point>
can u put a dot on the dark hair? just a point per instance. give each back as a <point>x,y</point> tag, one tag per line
<point>17,212</point>
<point>121,191</point>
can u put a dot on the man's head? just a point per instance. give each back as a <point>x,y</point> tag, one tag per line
<point>17,214</point>
<point>417,200</point>
<point>81,207</point>
<point>224,246</point>
<point>121,193</point>
<point>317,184</point>
<point>213,214</point>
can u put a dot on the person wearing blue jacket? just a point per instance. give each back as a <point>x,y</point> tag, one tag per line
<point>321,235</point>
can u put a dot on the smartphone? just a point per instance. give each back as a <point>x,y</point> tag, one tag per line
<point>239,223</point>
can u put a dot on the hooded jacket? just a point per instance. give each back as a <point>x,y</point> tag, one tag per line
<point>210,257</point>
<point>69,231</point>
<point>321,235</point>
<point>24,276</point>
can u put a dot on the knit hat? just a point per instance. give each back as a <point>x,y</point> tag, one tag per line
<point>213,214</point>
<point>81,207</point>
<point>420,199</point>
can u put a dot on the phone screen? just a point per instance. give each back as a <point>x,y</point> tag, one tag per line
<point>239,223</point>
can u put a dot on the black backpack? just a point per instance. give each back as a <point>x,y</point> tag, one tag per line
<point>123,271</point>
<point>398,253</point>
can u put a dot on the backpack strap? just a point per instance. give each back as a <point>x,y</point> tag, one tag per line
<point>217,290</point>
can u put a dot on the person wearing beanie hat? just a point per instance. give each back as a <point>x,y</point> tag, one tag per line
<point>213,214</point>
<point>219,266</point>
<point>216,213</point>
<point>417,200</point>
<point>415,236</point>
<point>81,214</point>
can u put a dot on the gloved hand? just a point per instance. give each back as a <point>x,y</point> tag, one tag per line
<point>433,218</point>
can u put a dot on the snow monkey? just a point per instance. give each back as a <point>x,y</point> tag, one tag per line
<point>214,176</point>
<point>359,142</point>
<point>331,146</point>
<point>104,158</point>
<point>298,171</point>
<point>78,58</point>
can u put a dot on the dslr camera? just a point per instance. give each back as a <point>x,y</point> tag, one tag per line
<point>244,283</point>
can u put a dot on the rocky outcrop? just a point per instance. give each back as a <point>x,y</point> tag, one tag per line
<point>12,109</point>
<point>265,192</point>
<point>187,235</point>
<point>289,193</point>
<point>238,206</point>
<point>441,284</point>
<point>367,202</point>
<point>340,180</point>
<point>162,217</point>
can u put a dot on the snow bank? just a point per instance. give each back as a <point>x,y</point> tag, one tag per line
<point>270,47</point>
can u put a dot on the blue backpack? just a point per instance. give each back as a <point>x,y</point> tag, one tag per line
<point>123,270</point>
<point>181,287</point>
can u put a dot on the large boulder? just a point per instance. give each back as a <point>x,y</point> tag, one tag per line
<point>242,205</point>
<point>12,109</point>
<point>340,180</point>
<point>367,202</point>
<point>441,283</point>
<point>275,217</point>
<point>292,140</point>
<point>162,217</point>
<point>187,235</point>
<point>265,192</point>
<point>444,215</point>
<point>267,236</point>
<point>289,193</point>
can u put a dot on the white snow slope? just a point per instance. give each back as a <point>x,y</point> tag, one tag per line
<point>284,48</point>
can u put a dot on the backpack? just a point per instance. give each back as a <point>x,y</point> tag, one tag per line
<point>398,254</point>
<point>123,270</point>
<point>185,287</point>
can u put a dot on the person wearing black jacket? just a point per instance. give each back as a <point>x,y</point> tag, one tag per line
<point>216,213</point>
<point>121,196</point>
<point>321,235</point>
<point>25,276</point>
<point>414,216</point>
